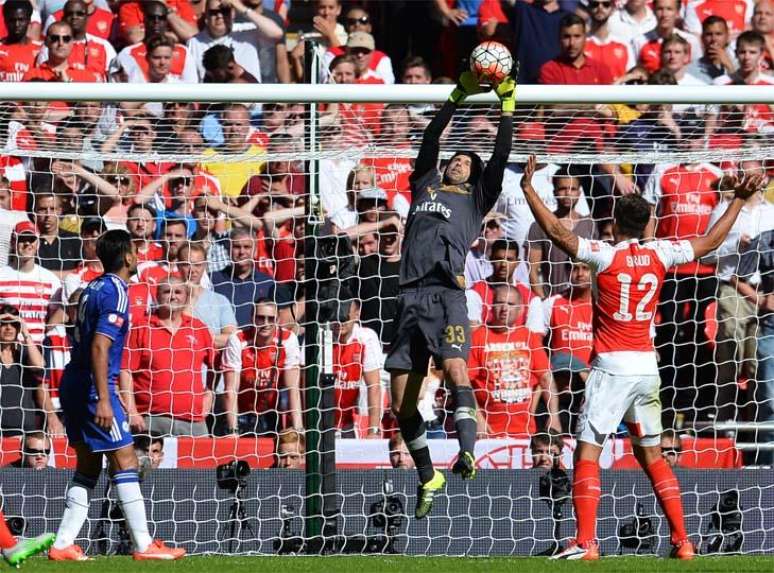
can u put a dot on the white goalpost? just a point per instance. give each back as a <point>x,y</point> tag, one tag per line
<point>287,168</point>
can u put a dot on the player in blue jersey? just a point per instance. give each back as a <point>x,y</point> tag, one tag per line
<point>95,419</point>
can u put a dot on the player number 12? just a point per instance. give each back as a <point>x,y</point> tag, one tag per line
<point>649,283</point>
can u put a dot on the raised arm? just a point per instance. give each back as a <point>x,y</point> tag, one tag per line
<point>560,235</point>
<point>493,173</point>
<point>743,189</point>
<point>427,159</point>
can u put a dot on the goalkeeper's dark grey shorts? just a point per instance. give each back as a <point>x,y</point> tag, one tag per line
<point>431,322</point>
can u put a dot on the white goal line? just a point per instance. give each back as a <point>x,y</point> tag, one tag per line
<point>331,93</point>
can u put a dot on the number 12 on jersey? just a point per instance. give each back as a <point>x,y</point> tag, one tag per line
<point>647,285</point>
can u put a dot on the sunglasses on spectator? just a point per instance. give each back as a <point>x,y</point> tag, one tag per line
<point>267,318</point>
<point>64,38</point>
<point>157,17</point>
<point>593,5</point>
<point>223,11</point>
<point>362,20</point>
<point>34,452</point>
<point>76,13</point>
<point>181,181</point>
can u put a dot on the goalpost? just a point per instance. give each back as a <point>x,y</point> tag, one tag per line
<point>303,142</point>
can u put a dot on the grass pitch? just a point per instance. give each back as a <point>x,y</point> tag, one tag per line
<point>381,564</point>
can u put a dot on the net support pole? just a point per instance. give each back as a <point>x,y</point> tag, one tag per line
<point>320,503</point>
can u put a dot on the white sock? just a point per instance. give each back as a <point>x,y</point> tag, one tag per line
<point>127,484</point>
<point>75,513</point>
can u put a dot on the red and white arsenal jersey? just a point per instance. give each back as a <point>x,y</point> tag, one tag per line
<point>261,369</point>
<point>616,53</point>
<point>93,54</point>
<point>685,196</point>
<point>140,300</point>
<point>133,60</point>
<point>99,24</point>
<point>392,176</point>
<point>756,115</point>
<point>151,252</point>
<point>79,278</point>
<point>360,354</point>
<point>647,48</point>
<point>13,170</point>
<point>32,293</point>
<point>17,59</point>
<point>736,13</point>
<point>56,355</point>
<point>628,278</point>
<point>504,368</point>
<point>570,324</point>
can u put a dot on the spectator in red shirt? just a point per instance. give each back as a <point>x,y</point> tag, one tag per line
<point>100,21</point>
<point>601,45</point>
<point>569,318</point>
<point>572,66</point>
<point>18,53</point>
<point>647,47</point>
<point>59,44</point>
<point>357,20</point>
<point>509,371</point>
<point>133,59</point>
<point>89,52</point>
<point>270,365</point>
<point>164,361</point>
<point>134,23</point>
<point>683,197</point>
<point>141,224</point>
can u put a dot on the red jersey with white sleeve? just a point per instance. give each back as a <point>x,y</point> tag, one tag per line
<point>93,54</point>
<point>79,278</point>
<point>629,277</point>
<point>351,360</point>
<point>18,59</point>
<point>736,13</point>
<point>570,324</point>
<point>133,60</point>
<point>616,53</point>
<point>504,368</point>
<point>261,369</point>
<point>13,169</point>
<point>33,293</point>
<point>99,23</point>
<point>150,252</point>
<point>685,196</point>
<point>756,115</point>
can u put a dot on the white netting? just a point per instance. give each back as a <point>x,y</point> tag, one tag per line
<point>235,180</point>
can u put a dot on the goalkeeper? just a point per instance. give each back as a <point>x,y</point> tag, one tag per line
<point>445,218</point>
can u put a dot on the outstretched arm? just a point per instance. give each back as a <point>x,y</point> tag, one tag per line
<point>560,235</point>
<point>427,158</point>
<point>743,190</point>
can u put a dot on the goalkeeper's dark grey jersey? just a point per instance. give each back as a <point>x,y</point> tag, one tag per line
<point>444,220</point>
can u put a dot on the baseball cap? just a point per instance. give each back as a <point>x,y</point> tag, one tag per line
<point>25,228</point>
<point>373,194</point>
<point>361,40</point>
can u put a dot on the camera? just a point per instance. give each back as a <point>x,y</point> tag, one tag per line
<point>555,489</point>
<point>724,535</point>
<point>333,269</point>
<point>17,525</point>
<point>638,533</point>
<point>232,475</point>
<point>289,543</point>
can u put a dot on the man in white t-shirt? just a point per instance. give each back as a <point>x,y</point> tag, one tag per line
<point>35,291</point>
<point>218,29</point>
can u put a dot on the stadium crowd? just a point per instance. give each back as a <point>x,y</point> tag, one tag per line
<point>217,302</point>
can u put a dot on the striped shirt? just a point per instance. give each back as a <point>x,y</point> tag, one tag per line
<point>32,293</point>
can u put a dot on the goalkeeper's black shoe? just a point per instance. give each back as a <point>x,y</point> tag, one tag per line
<point>426,492</point>
<point>465,465</point>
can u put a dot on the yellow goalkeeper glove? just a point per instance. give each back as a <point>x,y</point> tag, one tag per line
<point>506,91</point>
<point>467,85</point>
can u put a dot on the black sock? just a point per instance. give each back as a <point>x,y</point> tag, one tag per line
<point>465,417</point>
<point>413,431</point>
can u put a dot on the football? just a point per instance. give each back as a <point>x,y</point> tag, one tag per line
<point>491,62</point>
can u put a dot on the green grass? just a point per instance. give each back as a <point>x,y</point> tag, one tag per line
<point>378,564</point>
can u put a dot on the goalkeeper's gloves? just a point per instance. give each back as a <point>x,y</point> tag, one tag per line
<point>467,85</point>
<point>506,91</point>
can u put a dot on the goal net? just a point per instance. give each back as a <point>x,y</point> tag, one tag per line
<point>264,303</point>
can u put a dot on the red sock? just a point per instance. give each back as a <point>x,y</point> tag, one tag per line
<point>7,540</point>
<point>585,499</point>
<point>668,493</point>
